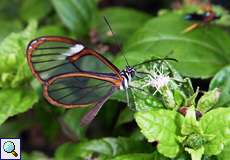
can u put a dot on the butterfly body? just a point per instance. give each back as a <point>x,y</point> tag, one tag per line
<point>127,75</point>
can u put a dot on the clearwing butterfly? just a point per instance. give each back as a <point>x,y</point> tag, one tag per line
<point>206,17</point>
<point>58,63</point>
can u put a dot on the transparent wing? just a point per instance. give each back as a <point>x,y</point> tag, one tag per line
<point>76,91</point>
<point>89,116</point>
<point>52,56</point>
<point>46,56</point>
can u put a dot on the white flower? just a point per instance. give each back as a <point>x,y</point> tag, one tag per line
<point>158,79</point>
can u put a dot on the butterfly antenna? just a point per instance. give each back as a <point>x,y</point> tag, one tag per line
<point>113,34</point>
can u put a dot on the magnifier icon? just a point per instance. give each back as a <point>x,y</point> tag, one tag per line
<point>9,147</point>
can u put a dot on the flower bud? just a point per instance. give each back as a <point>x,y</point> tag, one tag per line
<point>194,141</point>
<point>168,98</point>
<point>183,111</point>
<point>208,100</point>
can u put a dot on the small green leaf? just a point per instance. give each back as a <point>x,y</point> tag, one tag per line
<point>161,126</point>
<point>179,99</point>
<point>15,101</point>
<point>222,81</point>
<point>217,123</point>
<point>109,147</point>
<point>168,97</point>
<point>195,154</point>
<point>208,101</point>
<point>35,9</point>
<point>134,156</point>
<point>124,117</point>
<point>77,15</point>
<point>122,26</point>
<point>72,119</point>
<point>194,141</point>
<point>190,125</point>
<point>200,53</point>
<point>224,155</point>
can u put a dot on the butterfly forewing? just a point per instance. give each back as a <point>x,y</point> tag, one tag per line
<point>70,91</point>
<point>52,56</point>
<point>47,56</point>
<point>90,63</point>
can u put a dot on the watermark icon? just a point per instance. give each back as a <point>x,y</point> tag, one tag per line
<point>10,149</point>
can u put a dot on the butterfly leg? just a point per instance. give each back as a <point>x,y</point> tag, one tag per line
<point>127,97</point>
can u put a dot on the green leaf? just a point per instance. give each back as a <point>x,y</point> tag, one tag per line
<point>122,26</point>
<point>77,15</point>
<point>208,101</point>
<point>11,128</point>
<point>143,102</point>
<point>119,96</point>
<point>134,156</point>
<point>14,70</point>
<point>222,81</point>
<point>20,101</point>
<point>224,155</point>
<point>124,117</point>
<point>161,126</point>
<point>194,141</point>
<point>72,119</point>
<point>9,26</point>
<point>35,9</point>
<point>106,146</point>
<point>68,151</point>
<point>216,123</point>
<point>51,30</point>
<point>200,53</point>
<point>15,75</point>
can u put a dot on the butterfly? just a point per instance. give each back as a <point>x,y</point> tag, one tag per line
<point>66,69</point>
<point>206,17</point>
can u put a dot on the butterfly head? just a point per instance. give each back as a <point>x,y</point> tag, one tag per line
<point>130,71</point>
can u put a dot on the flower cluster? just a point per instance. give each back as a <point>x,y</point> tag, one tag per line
<point>158,79</point>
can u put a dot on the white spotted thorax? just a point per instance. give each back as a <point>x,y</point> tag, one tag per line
<point>73,50</point>
<point>127,75</point>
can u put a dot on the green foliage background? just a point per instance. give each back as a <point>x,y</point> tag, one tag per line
<point>117,133</point>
